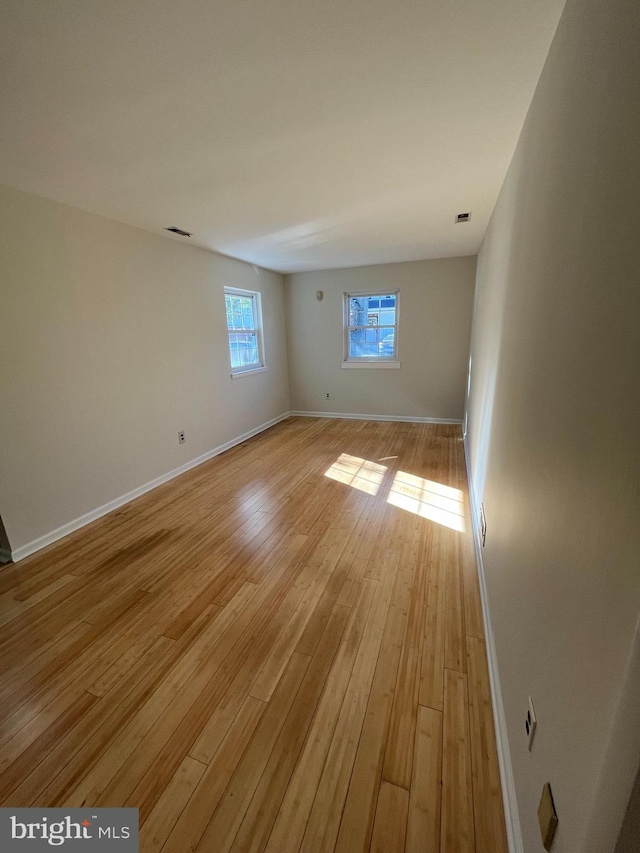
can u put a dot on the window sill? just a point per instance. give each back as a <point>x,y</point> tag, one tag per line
<point>387,365</point>
<point>239,373</point>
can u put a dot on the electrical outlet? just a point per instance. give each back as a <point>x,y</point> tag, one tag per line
<point>530,723</point>
<point>483,525</point>
<point>328,395</point>
<point>181,438</point>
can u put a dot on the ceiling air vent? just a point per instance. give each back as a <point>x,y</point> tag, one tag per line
<point>179,231</point>
<point>463,217</point>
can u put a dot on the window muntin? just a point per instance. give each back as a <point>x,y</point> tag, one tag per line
<point>371,326</point>
<point>244,326</point>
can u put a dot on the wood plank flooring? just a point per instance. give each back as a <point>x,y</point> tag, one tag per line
<point>280,650</point>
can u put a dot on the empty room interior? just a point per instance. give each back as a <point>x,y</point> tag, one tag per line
<point>319,444</point>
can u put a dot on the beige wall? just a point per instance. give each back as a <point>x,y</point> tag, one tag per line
<point>553,425</point>
<point>436,300</point>
<point>112,340</point>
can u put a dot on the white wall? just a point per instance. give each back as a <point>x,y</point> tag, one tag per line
<point>436,302</point>
<point>112,340</point>
<point>553,425</point>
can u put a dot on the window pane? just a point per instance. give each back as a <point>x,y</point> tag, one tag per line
<point>372,320</point>
<point>357,311</point>
<point>236,315</point>
<point>240,312</point>
<point>388,316</point>
<point>244,350</point>
<point>371,342</point>
<point>229,310</point>
<point>247,313</point>
<point>372,310</point>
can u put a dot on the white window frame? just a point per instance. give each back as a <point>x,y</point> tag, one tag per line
<point>370,361</point>
<point>256,298</point>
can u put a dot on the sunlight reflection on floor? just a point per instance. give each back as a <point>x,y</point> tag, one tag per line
<point>428,499</point>
<point>359,473</point>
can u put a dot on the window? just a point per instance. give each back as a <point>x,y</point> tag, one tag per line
<point>371,329</point>
<point>244,323</point>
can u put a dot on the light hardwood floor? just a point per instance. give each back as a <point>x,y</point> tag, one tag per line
<point>281,650</point>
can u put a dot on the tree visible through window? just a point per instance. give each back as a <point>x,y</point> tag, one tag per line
<point>371,326</point>
<point>244,324</point>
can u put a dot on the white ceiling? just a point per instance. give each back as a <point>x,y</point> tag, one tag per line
<point>295,134</point>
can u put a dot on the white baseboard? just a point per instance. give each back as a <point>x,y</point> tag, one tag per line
<point>356,417</point>
<point>87,518</point>
<point>512,819</point>
<point>5,556</point>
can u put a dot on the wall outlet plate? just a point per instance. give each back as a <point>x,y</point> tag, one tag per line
<point>530,723</point>
<point>181,438</point>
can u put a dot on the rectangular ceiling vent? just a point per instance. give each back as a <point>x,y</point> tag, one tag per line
<point>463,217</point>
<point>179,231</point>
